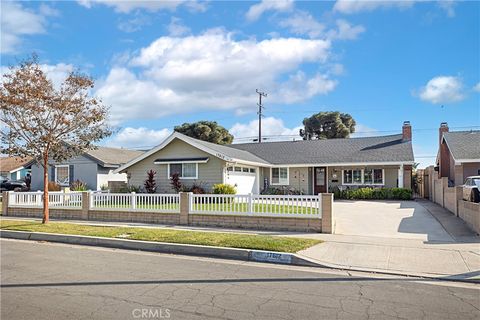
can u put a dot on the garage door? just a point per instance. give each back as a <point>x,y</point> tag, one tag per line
<point>243,178</point>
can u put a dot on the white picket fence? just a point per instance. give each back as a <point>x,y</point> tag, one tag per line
<point>70,200</point>
<point>135,202</point>
<point>299,206</point>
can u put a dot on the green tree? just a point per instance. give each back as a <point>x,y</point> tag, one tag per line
<point>209,131</point>
<point>328,125</point>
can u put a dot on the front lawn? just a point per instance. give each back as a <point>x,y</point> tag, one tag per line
<point>233,240</point>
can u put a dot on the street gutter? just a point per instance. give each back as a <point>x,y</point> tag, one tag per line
<point>209,251</point>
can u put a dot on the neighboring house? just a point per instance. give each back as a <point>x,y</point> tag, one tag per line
<point>312,167</point>
<point>95,168</point>
<point>15,168</point>
<point>458,154</point>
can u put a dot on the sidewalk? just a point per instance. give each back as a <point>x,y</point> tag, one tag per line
<point>453,260</point>
<point>458,258</point>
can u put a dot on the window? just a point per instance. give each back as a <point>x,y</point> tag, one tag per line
<point>238,169</point>
<point>363,176</point>
<point>184,170</point>
<point>229,168</point>
<point>252,170</point>
<point>241,169</point>
<point>279,176</point>
<point>378,176</point>
<point>245,169</point>
<point>62,175</point>
<point>347,177</point>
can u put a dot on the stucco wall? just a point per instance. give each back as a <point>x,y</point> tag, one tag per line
<point>209,173</point>
<point>470,213</point>
<point>85,170</point>
<point>299,179</point>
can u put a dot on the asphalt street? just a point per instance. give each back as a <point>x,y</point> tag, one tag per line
<point>56,281</point>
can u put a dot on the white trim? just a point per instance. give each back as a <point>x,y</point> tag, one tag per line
<point>180,161</point>
<point>183,178</point>
<point>460,161</point>
<point>280,183</point>
<point>190,141</point>
<point>340,164</point>
<point>56,174</point>
<point>16,169</point>
<point>362,170</point>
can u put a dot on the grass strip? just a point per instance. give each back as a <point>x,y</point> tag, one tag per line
<point>219,239</point>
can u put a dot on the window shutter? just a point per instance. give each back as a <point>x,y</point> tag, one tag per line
<point>52,173</point>
<point>70,174</point>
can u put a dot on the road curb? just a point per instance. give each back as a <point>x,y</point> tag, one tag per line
<point>206,251</point>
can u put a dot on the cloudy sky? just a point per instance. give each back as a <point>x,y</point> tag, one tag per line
<point>161,63</point>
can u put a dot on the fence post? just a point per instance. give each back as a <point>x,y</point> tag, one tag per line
<point>38,198</point>
<point>86,201</point>
<point>326,201</point>
<point>90,199</point>
<point>5,203</point>
<point>184,207</point>
<point>250,203</point>
<point>133,201</point>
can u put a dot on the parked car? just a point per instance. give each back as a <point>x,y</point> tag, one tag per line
<point>12,185</point>
<point>471,189</point>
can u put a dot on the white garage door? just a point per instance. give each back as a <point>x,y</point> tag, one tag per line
<point>243,178</point>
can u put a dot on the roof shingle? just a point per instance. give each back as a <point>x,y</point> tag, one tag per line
<point>464,145</point>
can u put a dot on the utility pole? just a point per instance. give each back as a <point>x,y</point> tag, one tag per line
<point>260,107</point>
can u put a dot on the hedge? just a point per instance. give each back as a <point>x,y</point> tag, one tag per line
<point>373,194</point>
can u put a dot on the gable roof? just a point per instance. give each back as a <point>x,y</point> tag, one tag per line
<point>112,157</point>
<point>464,145</point>
<point>9,164</point>
<point>333,151</point>
<point>376,150</point>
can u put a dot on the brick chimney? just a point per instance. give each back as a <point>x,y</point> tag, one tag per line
<point>443,128</point>
<point>406,131</point>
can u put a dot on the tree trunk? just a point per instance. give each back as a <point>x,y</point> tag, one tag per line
<point>45,191</point>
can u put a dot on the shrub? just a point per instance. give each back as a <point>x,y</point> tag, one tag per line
<point>78,185</point>
<point>150,184</point>
<point>223,188</point>
<point>53,186</point>
<point>195,188</point>
<point>280,191</point>
<point>175,182</point>
<point>369,193</point>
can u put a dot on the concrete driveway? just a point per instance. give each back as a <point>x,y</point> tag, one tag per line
<point>390,219</point>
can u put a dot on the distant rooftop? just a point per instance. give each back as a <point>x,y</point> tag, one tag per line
<point>464,145</point>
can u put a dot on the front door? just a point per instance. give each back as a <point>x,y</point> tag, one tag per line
<point>320,180</point>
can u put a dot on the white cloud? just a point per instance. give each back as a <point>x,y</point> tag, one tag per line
<point>17,21</point>
<point>303,23</point>
<point>363,131</point>
<point>477,87</point>
<point>345,31</point>
<point>448,6</point>
<point>212,71</point>
<point>442,89</point>
<point>138,138</point>
<point>123,6</point>
<point>270,126</point>
<point>355,6</point>
<point>177,28</point>
<point>256,11</point>
<point>134,24</point>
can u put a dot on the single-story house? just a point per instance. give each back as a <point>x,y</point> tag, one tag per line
<point>458,154</point>
<point>95,168</point>
<point>312,167</point>
<point>15,168</point>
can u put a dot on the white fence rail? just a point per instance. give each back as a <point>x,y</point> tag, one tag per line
<point>135,202</point>
<point>69,200</point>
<point>299,206</point>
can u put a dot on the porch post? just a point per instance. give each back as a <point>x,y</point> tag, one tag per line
<point>400,176</point>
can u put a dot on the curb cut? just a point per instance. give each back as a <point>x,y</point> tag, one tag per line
<point>208,251</point>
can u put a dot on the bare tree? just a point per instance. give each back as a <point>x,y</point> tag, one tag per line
<point>49,122</point>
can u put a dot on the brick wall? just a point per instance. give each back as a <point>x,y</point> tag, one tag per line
<point>74,214</point>
<point>259,223</point>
